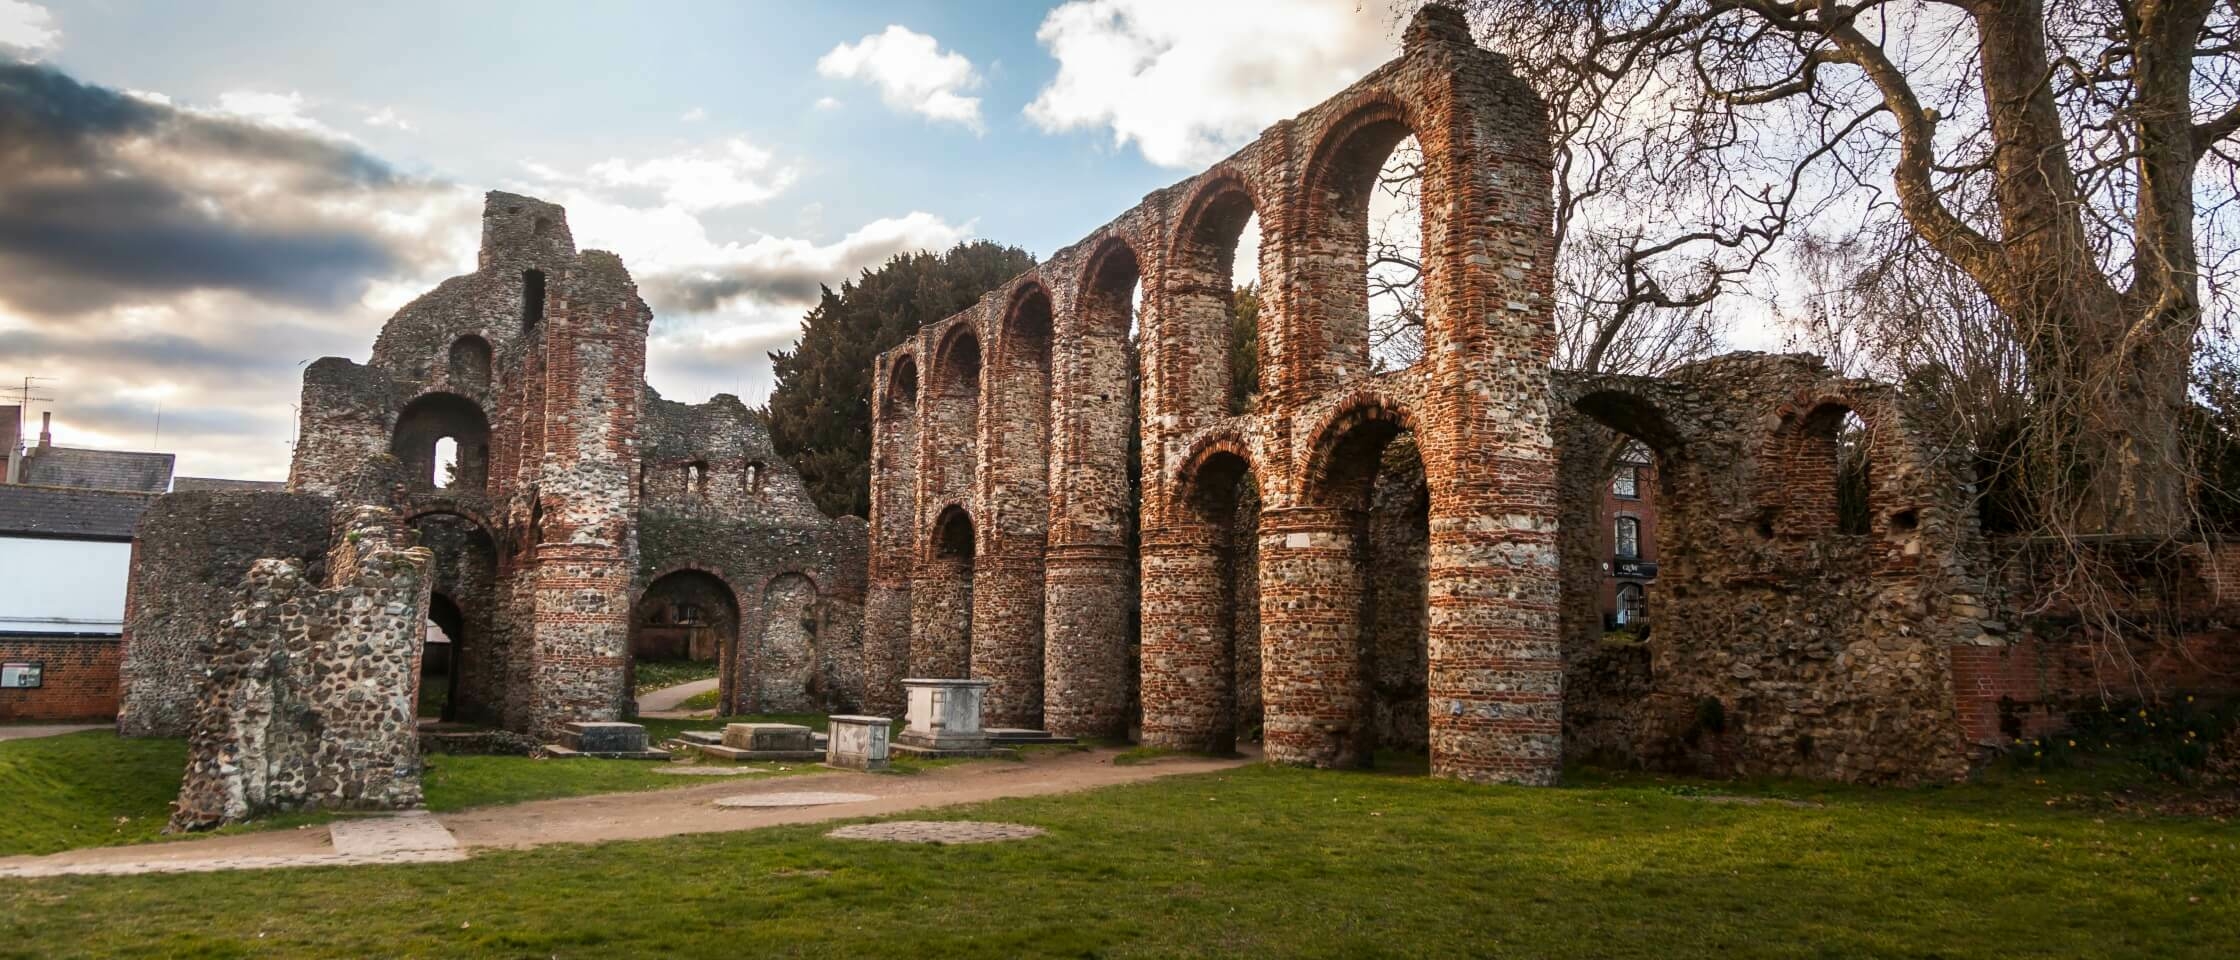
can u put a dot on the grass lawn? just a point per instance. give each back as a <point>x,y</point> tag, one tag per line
<point>662,674</point>
<point>96,789</point>
<point>1260,862</point>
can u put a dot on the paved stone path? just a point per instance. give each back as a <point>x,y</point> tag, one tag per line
<point>32,731</point>
<point>935,831</point>
<point>412,837</point>
<point>665,700</point>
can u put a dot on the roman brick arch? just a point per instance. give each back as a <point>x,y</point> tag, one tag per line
<point>467,364</point>
<point>894,532</point>
<point>941,596</point>
<point>1817,468</point>
<point>1201,637</point>
<point>1007,590</point>
<point>689,612</point>
<point>1332,328</point>
<point>1089,566</point>
<point>1199,298</point>
<point>1478,406</point>
<point>438,416</point>
<point>951,426</point>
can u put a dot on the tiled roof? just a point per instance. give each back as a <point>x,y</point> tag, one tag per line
<point>184,484</point>
<point>77,514</point>
<point>98,469</point>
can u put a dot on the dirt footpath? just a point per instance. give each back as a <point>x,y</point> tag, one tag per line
<point>618,816</point>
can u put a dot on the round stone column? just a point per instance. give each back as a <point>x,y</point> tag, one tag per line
<point>1311,597</point>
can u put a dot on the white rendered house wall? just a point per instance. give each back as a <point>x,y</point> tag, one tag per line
<point>62,586</point>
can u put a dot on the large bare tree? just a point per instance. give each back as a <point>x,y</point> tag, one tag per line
<point>2074,165</point>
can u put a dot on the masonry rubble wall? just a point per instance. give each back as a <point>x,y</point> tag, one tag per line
<point>957,404</point>
<point>189,555</point>
<point>533,365</point>
<point>310,699</point>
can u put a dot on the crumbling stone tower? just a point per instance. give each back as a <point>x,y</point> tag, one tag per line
<point>545,452</point>
<point>583,516</point>
<point>1001,490</point>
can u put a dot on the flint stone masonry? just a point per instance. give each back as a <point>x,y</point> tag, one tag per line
<point>581,501</point>
<point>310,699</point>
<point>1015,418</point>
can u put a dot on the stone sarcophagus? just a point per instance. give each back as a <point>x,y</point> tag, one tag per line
<point>858,741</point>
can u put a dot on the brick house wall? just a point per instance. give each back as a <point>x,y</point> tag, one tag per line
<point>79,683</point>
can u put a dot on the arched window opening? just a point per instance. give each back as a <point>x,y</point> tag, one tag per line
<point>1224,494</point>
<point>1395,260</point>
<point>696,478</point>
<point>1820,471</point>
<point>443,440</point>
<point>469,363</point>
<point>1366,195</point>
<point>1633,464</point>
<point>754,476</point>
<point>1853,481</point>
<point>540,226</point>
<point>956,537</point>
<point>1020,459</point>
<point>1214,293</point>
<point>446,472</point>
<point>902,390</point>
<point>532,299</point>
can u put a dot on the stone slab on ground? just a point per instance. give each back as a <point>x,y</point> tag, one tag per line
<point>410,830</point>
<point>950,753</point>
<point>736,755</point>
<point>688,770</point>
<point>767,736</point>
<point>1020,736</point>
<point>936,831</point>
<point>603,737</point>
<point>555,751</point>
<point>791,798</point>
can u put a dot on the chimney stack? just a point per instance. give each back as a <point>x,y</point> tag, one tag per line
<point>46,429</point>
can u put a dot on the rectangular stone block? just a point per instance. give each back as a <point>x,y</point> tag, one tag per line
<point>858,741</point>
<point>761,737</point>
<point>584,737</point>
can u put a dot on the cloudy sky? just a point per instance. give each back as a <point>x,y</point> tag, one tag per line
<point>197,199</point>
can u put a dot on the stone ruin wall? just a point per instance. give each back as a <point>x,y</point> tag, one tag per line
<point>749,523</point>
<point>1014,417</point>
<point>310,698</point>
<point>1779,644</point>
<point>190,553</point>
<point>535,364</point>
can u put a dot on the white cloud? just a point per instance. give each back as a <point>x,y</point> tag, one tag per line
<point>695,115</point>
<point>27,29</point>
<point>278,111</point>
<point>388,117</point>
<point>728,173</point>
<point>911,72</point>
<point>828,103</point>
<point>1188,82</point>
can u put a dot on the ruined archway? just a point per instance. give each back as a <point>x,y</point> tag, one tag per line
<point>467,366</point>
<point>1818,469</point>
<point>1363,183</point>
<point>941,597</point>
<point>1202,645</point>
<point>1202,303</point>
<point>785,661</point>
<point>687,619</point>
<point>468,680</point>
<point>1352,674</point>
<point>435,417</point>
<point>1007,634</point>
<point>1090,564</point>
